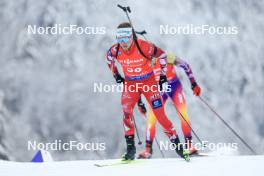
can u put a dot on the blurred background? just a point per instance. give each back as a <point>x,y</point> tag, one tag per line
<point>46,81</point>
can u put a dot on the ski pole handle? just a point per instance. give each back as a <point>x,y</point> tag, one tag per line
<point>128,9</point>
<point>121,7</point>
<point>125,9</point>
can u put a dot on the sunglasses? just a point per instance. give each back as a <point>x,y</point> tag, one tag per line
<point>123,39</point>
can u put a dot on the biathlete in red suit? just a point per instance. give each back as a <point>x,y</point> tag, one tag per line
<point>134,55</point>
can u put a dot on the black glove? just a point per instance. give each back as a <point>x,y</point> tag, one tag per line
<point>141,106</point>
<point>163,79</point>
<point>119,79</point>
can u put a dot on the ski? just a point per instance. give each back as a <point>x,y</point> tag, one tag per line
<point>120,162</point>
<point>202,155</point>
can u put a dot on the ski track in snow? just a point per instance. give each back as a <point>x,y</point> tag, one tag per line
<point>204,166</point>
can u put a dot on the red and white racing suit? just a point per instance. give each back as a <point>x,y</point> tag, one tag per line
<point>138,72</point>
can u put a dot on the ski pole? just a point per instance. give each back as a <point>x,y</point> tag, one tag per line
<point>161,152</point>
<point>139,140</point>
<point>126,10</point>
<point>226,124</point>
<point>195,134</point>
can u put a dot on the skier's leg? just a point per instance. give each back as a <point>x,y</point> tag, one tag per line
<point>155,100</point>
<point>179,101</point>
<point>128,101</point>
<point>157,105</point>
<point>158,110</point>
<point>150,132</point>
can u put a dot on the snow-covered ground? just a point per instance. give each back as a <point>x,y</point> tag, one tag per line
<point>199,166</point>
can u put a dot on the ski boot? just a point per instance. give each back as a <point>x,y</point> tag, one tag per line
<point>189,146</point>
<point>131,149</point>
<point>147,153</point>
<point>180,150</point>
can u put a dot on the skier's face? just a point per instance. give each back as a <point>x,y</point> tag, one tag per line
<point>124,37</point>
<point>126,44</point>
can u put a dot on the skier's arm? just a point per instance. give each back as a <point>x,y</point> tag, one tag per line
<point>173,59</point>
<point>195,87</point>
<point>159,53</point>
<point>110,56</point>
<point>152,51</point>
<point>162,57</point>
<point>186,67</point>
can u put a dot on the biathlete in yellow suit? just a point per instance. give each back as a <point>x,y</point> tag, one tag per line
<point>178,98</point>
